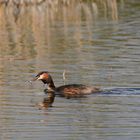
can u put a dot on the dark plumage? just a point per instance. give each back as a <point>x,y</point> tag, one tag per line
<point>68,91</point>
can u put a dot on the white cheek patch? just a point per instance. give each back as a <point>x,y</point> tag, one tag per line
<point>40,77</point>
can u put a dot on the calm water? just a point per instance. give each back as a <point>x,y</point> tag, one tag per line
<point>98,45</point>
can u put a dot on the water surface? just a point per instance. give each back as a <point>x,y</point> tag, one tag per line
<point>95,45</point>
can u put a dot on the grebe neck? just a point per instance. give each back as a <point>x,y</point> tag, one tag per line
<point>50,84</point>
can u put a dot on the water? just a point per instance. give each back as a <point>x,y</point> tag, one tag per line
<point>99,49</point>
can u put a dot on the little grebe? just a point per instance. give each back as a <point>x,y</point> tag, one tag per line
<point>68,91</point>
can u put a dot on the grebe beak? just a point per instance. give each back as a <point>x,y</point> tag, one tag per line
<point>35,78</point>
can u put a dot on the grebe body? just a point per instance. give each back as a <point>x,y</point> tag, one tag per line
<point>68,91</point>
<point>75,90</point>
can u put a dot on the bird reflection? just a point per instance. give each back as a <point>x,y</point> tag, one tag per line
<point>47,101</point>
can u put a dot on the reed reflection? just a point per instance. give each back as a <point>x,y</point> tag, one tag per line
<point>29,23</point>
<point>39,30</point>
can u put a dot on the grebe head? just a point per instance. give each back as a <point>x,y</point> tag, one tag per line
<point>44,76</point>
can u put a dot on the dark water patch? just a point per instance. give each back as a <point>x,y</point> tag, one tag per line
<point>121,91</point>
